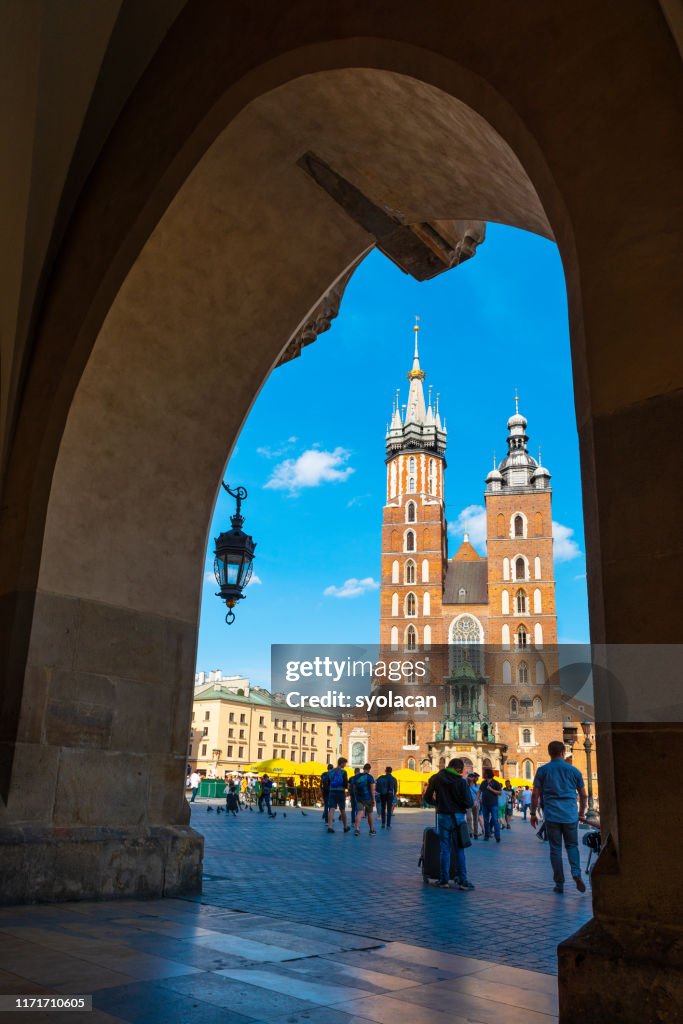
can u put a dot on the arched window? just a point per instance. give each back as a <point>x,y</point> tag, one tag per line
<point>411,464</point>
<point>410,735</point>
<point>466,636</point>
<point>410,571</point>
<point>410,540</point>
<point>432,476</point>
<point>538,707</point>
<point>505,603</point>
<point>537,568</point>
<point>426,605</point>
<point>520,569</point>
<point>505,636</point>
<point>523,673</point>
<point>538,609</point>
<point>411,605</point>
<point>394,638</point>
<point>428,636</point>
<point>411,485</point>
<point>538,634</point>
<point>506,568</point>
<point>395,569</point>
<point>411,638</point>
<point>410,512</point>
<point>507,673</point>
<point>394,604</point>
<point>522,637</point>
<point>526,736</point>
<point>411,763</point>
<point>425,570</point>
<point>540,673</point>
<point>520,602</point>
<point>500,525</point>
<point>513,706</point>
<point>527,770</point>
<point>518,526</point>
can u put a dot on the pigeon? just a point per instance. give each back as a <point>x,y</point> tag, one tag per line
<point>209,809</point>
<point>284,814</point>
<point>303,812</point>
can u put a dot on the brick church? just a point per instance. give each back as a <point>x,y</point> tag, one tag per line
<point>485,627</point>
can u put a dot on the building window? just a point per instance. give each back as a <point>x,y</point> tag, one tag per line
<point>410,571</point>
<point>205,731</point>
<point>243,719</point>
<point>411,763</point>
<point>411,606</point>
<point>241,734</point>
<point>411,485</point>
<point>520,602</point>
<point>329,730</point>
<point>410,512</point>
<point>207,716</point>
<point>526,736</point>
<point>305,741</point>
<point>411,639</point>
<point>294,726</point>
<point>519,526</point>
<point>527,770</point>
<point>259,753</point>
<point>231,716</point>
<point>432,476</point>
<point>523,673</point>
<point>520,569</point>
<point>410,735</point>
<point>231,732</point>
<point>240,752</point>
<point>193,716</point>
<point>305,727</point>
<point>522,637</point>
<point>203,749</point>
<point>410,540</point>
<point>466,636</point>
<point>229,750</point>
<point>261,720</point>
<point>261,736</point>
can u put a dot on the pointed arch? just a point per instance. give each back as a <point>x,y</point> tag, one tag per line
<point>394,638</point>
<point>500,525</point>
<point>521,603</point>
<point>394,604</point>
<point>466,635</point>
<point>409,540</point>
<point>410,606</point>
<point>507,672</point>
<point>522,673</point>
<point>425,570</point>
<point>395,571</point>
<point>505,603</point>
<point>538,605</point>
<point>426,604</point>
<point>518,525</point>
<point>540,673</point>
<point>411,512</point>
<point>410,640</point>
<point>506,568</point>
<point>505,636</point>
<point>537,568</point>
<point>428,636</point>
<point>538,635</point>
<point>409,571</point>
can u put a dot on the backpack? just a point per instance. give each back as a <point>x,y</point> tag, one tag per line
<point>337,778</point>
<point>362,787</point>
<point>386,784</point>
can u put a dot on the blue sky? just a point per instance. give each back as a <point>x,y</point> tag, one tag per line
<point>312,451</point>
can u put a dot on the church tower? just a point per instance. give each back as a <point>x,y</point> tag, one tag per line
<point>521,579</point>
<point>413,524</point>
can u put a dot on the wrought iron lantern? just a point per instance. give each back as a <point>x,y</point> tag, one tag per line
<point>234,557</point>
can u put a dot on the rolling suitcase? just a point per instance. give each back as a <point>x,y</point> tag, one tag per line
<point>431,854</point>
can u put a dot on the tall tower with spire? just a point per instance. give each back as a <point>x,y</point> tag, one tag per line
<point>414,525</point>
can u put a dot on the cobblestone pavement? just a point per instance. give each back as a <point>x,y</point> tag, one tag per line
<point>291,868</point>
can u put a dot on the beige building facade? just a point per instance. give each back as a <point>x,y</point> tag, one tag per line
<point>235,724</point>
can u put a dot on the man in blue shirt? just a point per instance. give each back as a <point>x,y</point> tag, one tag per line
<point>555,787</point>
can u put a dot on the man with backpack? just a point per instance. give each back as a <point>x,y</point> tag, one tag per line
<point>489,796</point>
<point>364,788</point>
<point>387,787</point>
<point>452,796</point>
<point>339,783</point>
<point>266,790</point>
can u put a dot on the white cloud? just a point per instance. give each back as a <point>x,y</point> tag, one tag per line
<point>581,576</point>
<point>255,581</point>
<point>292,440</point>
<point>352,588</point>
<point>210,579</point>
<point>473,521</point>
<point>312,468</point>
<point>564,548</point>
<point>358,499</point>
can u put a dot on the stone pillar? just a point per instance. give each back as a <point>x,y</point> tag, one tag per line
<point>626,964</point>
<point>96,805</point>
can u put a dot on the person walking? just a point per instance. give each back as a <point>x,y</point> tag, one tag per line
<point>489,794</point>
<point>352,795</point>
<point>473,811</point>
<point>556,785</point>
<point>339,783</point>
<point>509,802</point>
<point>526,801</point>
<point>452,796</point>
<point>364,786</point>
<point>232,803</point>
<point>325,788</point>
<point>195,779</point>
<point>266,791</point>
<point>387,787</point>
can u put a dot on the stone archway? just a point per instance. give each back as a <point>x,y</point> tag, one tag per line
<point>114,468</point>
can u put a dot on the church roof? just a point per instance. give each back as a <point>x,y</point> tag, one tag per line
<point>469,576</point>
<point>466,553</point>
